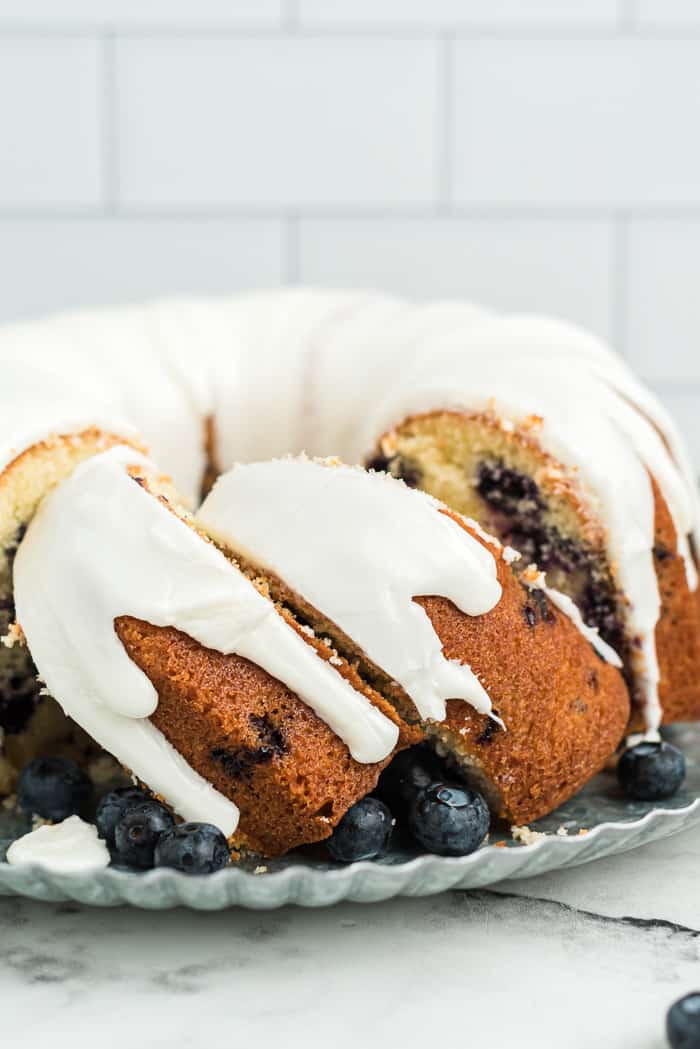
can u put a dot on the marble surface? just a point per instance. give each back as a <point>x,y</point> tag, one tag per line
<point>580,958</point>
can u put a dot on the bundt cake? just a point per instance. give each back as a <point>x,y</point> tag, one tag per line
<point>259,663</point>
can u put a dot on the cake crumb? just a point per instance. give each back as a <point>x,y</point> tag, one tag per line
<point>526,836</point>
<point>582,832</point>
<point>562,832</point>
<point>499,845</point>
<point>510,556</point>
<point>260,870</point>
<point>14,636</point>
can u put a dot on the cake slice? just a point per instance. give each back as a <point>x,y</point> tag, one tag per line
<point>506,678</point>
<point>542,434</point>
<point>183,668</point>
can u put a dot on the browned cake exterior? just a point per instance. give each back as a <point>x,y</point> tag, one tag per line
<point>678,629</point>
<point>253,739</point>
<point>442,452</point>
<point>564,708</point>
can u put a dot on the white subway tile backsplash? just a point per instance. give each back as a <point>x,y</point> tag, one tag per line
<point>275,122</point>
<point>556,267</point>
<point>534,156</point>
<point>563,122</point>
<point>666,14</point>
<point>663,305</point>
<point>50,122</point>
<point>50,265</point>
<point>685,409</point>
<point>498,13</point>
<point>169,14</point>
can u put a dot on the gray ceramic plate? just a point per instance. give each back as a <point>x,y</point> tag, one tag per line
<point>611,825</point>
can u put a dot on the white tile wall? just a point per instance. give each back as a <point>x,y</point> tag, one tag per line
<point>54,263</point>
<point>669,13</point>
<point>663,280</point>
<point>165,13</point>
<point>549,266</point>
<point>334,122</point>
<point>503,13</point>
<point>50,122</point>
<point>580,122</point>
<point>540,155</point>
<point>684,409</point>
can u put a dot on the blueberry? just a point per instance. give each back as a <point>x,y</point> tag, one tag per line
<point>448,819</point>
<point>113,806</point>
<point>410,772</point>
<point>53,788</point>
<point>137,833</point>
<point>362,833</point>
<point>195,848</point>
<point>683,1022</point>
<point>651,771</point>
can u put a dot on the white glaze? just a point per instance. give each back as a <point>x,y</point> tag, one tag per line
<point>360,546</point>
<point>328,372</point>
<point>527,366</point>
<point>70,847</point>
<point>536,581</point>
<point>100,547</point>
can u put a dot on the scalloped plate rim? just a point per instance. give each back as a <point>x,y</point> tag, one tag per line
<point>394,879</point>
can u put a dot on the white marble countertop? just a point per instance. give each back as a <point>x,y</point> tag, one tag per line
<point>589,957</point>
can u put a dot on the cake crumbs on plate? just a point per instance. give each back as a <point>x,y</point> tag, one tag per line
<point>526,836</point>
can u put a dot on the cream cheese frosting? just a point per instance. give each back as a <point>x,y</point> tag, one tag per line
<point>69,847</point>
<point>327,372</point>
<point>360,546</point>
<point>591,419</point>
<point>100,547</point>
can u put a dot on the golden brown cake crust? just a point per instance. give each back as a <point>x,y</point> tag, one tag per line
<point>292,778</point>
<point>564,708</point>
<point>252,738</point>
<point>678,629</point>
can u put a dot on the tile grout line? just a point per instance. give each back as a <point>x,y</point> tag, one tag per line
<point>618,279</point>
<point>444,121</point>
<point>109,132</point>
<point>627,26</point>
<point>290,17</point>
<point>627,17</point>
<point>291,252</point>
<point>348,211</point>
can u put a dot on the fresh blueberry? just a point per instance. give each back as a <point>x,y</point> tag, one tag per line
<point>113,806</point>
<point>449,819</point>
<point>137,833</point>
<point>651,771</point>
<point>195,848</point>
<point>53,788</point>
<point>683,1022</point>
<point>362,833</point>
<point>410,772</point>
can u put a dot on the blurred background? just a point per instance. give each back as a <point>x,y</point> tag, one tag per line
<point>532,154</point>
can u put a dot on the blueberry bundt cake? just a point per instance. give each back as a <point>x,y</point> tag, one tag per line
<point>258,664</point>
